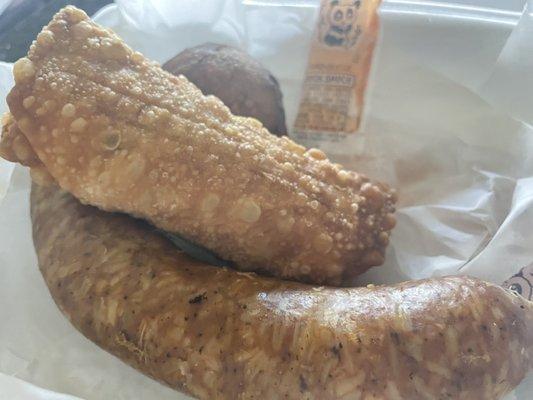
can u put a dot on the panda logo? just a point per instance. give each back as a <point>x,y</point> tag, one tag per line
<point>338,23</point>
<point>522,283</point>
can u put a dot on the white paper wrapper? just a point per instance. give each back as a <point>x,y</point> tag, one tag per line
<point>446,123</point>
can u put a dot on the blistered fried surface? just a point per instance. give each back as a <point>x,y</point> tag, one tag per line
<point>15,147</point>
<point>120,133</point>
<point>220,334</point>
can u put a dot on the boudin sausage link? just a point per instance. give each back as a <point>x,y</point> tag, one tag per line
<point>220,334</point>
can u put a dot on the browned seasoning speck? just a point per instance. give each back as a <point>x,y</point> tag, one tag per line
<point>198,299</point>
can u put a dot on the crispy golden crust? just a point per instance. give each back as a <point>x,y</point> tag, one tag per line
<point>221,334</point>
<point>120,133</point>
<point>15,147</point>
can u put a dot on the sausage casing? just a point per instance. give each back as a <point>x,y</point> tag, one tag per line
<point>220,334</point>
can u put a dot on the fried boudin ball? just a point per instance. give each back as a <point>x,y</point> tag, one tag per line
<point>241,82</point>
